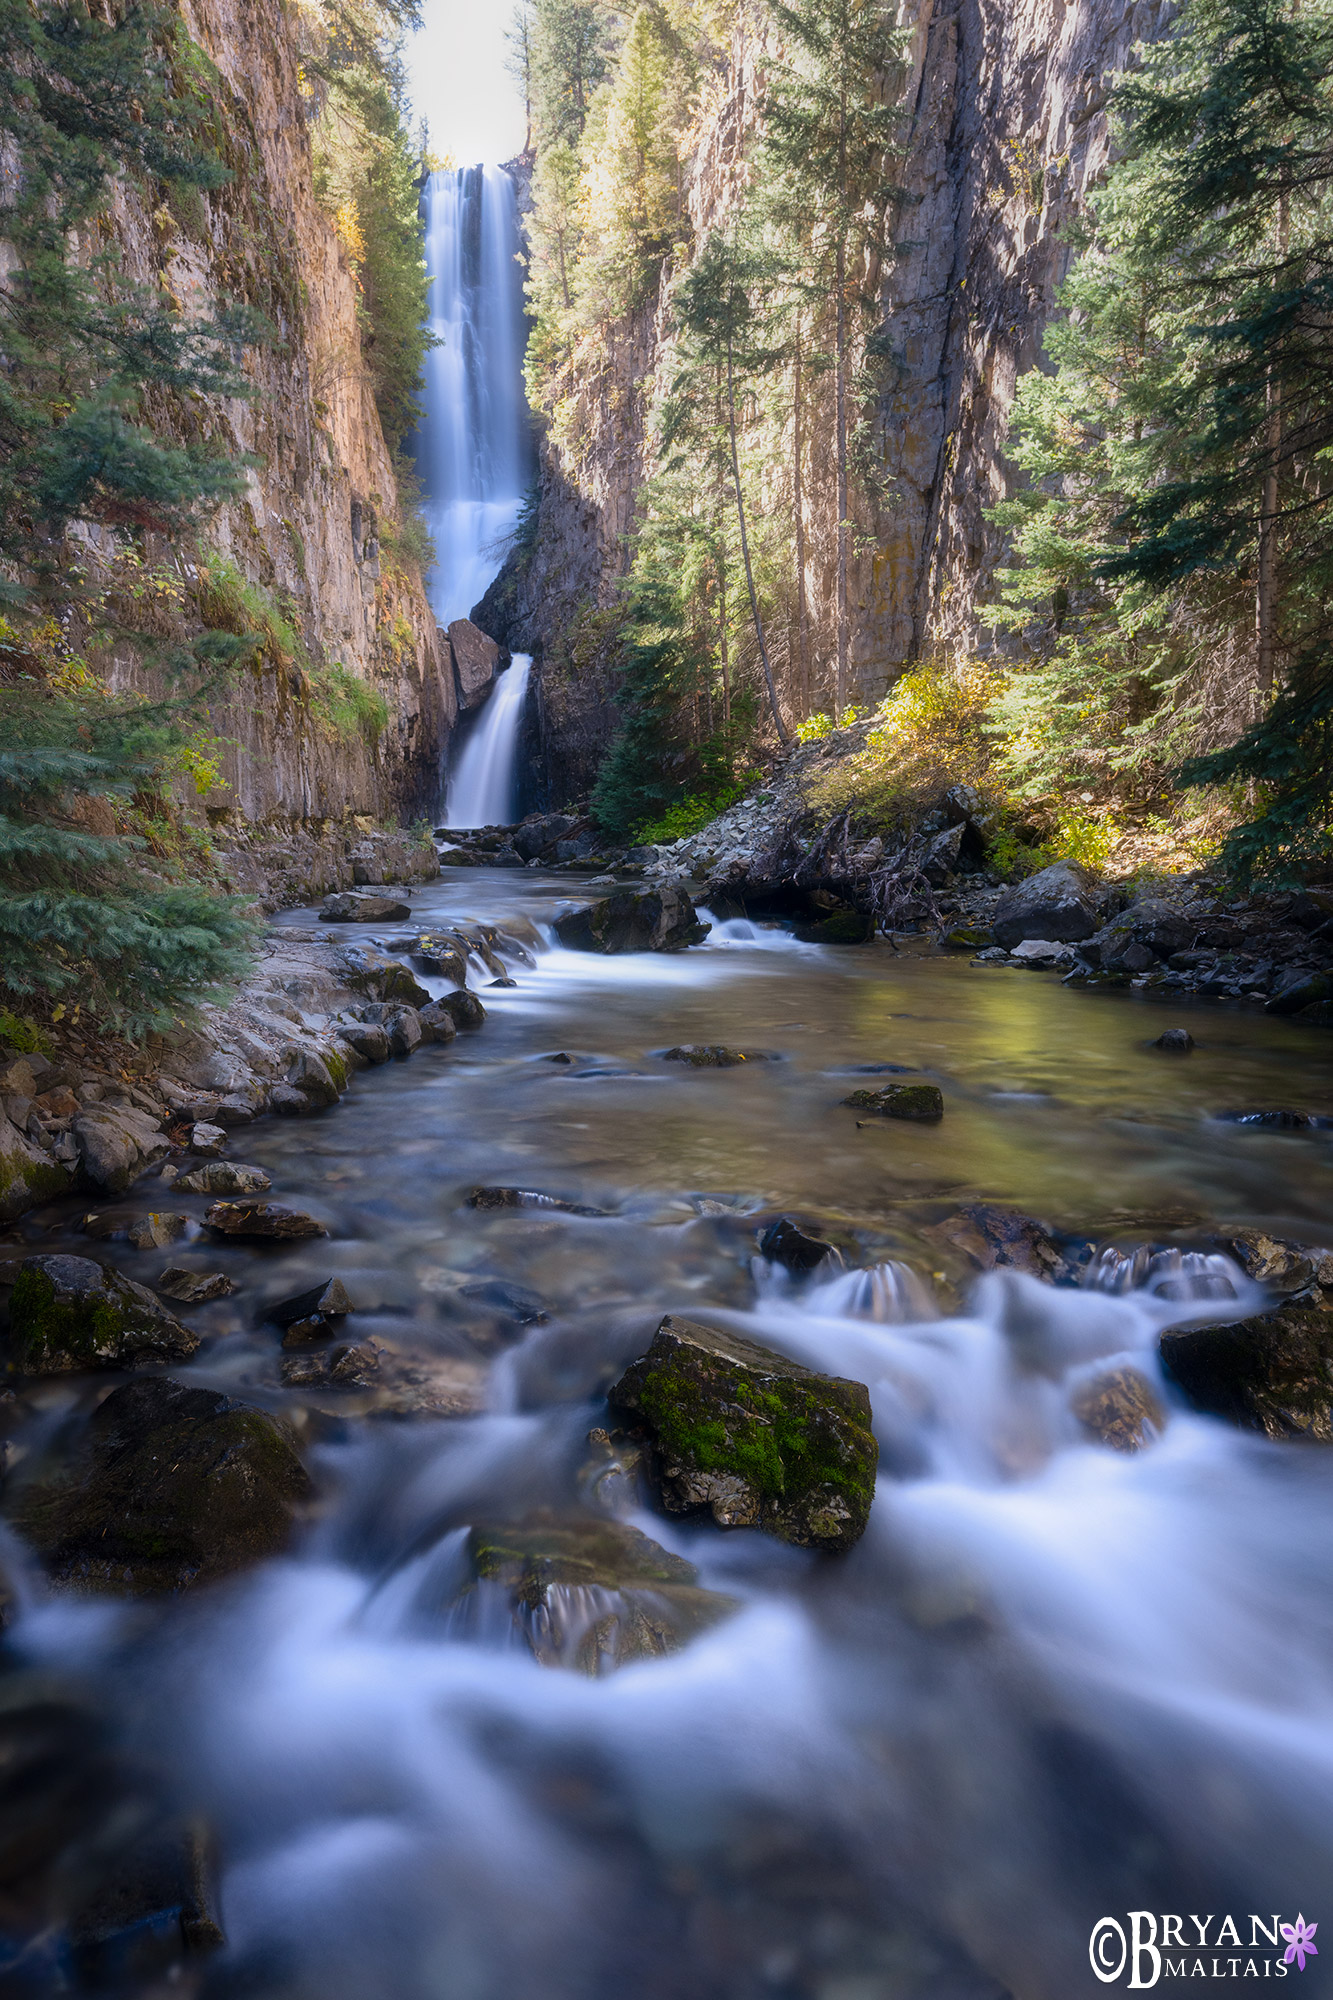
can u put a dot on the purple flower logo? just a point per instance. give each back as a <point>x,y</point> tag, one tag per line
<point>1299,1947</point>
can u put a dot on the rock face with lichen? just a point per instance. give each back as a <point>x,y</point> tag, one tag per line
<point>757,1440</point>
<point>166,1486</point>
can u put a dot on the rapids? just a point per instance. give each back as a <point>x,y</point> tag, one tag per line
<point>1051,1684</point>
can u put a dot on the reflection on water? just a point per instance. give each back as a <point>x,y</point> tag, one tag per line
<point>1052,1682</point>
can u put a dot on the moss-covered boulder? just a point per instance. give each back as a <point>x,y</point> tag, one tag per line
<point>593,1595</point>
<point>27,1174</point>
<point>899,1100</point>
<point>163,1487</point>
<point>712,1055</point>
<point>1273,1373</point>
<point>842,927</point>
<point>660,919</point>
<point>69,1313</point>
<point>757,1440</point>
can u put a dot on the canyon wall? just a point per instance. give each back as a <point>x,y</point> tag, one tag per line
<point>301,740</point>
<point>1005,130</point>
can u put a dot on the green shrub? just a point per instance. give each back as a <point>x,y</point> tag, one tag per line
<point>678,822</point>
<point>346,705</point>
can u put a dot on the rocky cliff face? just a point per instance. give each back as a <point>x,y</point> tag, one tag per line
<point>1005,131</point>
<point>302,741</point>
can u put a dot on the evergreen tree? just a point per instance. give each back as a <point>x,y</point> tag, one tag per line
<point>832,132</point>
<point>89,358</point>
<point>630,195</point>
<point>518,61</point>
<point>572,46</point>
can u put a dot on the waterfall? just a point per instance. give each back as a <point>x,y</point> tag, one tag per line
<point>473,451</point>
<point>483,788</point>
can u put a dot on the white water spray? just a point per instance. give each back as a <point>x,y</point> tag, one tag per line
<point>483,790</point>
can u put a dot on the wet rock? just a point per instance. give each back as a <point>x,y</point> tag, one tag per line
<point>116,1144</point>
<point>900,1100</point>
<point>1042,952</point>
<point>593,1595</point>
<point>513,1302</point>
<point>165,1487</point>
<point>367,970</point>
<point>1176,1041</point>
<point>158,1229</point>
<point>194,1288</point>
<point>69,1313</point>
<point>712,1055</point>
<point>208,1140</point>
<point>342,1367</point>
<point>367,1038</point>
<point>263,1219</point>
<point>438,1023</point>
<point>756,1439</point>
<point>1059,903</point>
<point>1002,1239</point>
<point>661,919</point>
<point>1121,1407</point>
<point>1140,937</point>
<point>464,1010</point>
<point>224,1177</point>
<point>1308,991</point>
<point>1273,1373</point>
<point>28,1174</point>
<point>843,927</point>
<point>236,1110</point>
<point>1275,1261</point>
<point>316,1082</point>
<point>351,908</point>
<point>443,959</point>
<point>512,1197</point>
<point>326,1301</point>
<point>1284,1120</point>
<point>401,1024</point>
<point>785,1243</point>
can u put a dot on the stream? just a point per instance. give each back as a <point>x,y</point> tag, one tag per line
<point>1052,1684</point>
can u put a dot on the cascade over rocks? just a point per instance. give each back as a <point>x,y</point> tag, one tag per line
<point>757,1440</point>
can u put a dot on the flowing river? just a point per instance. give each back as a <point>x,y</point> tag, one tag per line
<point>1052,1683</point>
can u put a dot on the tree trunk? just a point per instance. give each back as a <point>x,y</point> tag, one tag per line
<point>840,394</point>
<point>802,610</point>
<point>745,555</point>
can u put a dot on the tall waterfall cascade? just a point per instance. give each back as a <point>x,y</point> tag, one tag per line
<point>474,450</point>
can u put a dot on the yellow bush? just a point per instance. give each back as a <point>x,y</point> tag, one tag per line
<point>929,732</point>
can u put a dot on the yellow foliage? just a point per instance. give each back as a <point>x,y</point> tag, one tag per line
<point>929,732</point>
<point>347,222</point>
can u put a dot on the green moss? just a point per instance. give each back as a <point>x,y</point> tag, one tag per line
<point>348,706</point>
<point>41,1326</point>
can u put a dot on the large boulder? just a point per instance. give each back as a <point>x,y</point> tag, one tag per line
<point>756,1439</point>
<point>165,1487</point>
<point>68,1313</point>
<point>369,971</point>
<point>476,662</point>
<point>1147,932</point>
<point>1273,1373</point>
<point>372,908</point>
<point>661,919</point>
<point>1059,903</point>
<point>992,1238</point>
<point>592,1595</point>
<point>27,1173</point>
<point>116,1144</point>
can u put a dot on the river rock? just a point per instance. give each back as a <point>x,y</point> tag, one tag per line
<point>1042,953</point>
<point>1059,903</point>
<point>443,958</point>
<point>712,1055</point>
<point>1273,1373</point>
<point>28,1174</point>
<point>69,1313</point>
<point>312,1082</point>
<point>1294,996</point>
<point>1002,1239</point>
<point>401,1024</point>
<point>464,1010</point>
<point>661,919</point>
<point>843,927</point>
<point>593,1595</point>
<point>512,1197</point>
<point>159,1228</point>
<point>116,1144</point>
<point>263,1219</point>
<point>326,1301</point>
<point>366,969</point>
<point>353,908</point>
<point>921,1101</point>
<point>1121,1407</point>
<point>343,1367</point>
<point>1276,1262</point>
<point>438,1023</point>
<point>1140,937</point>
<point>1176,1041</point>
<point>785,1243</point>
<point>367,1040</point>
<point>208,1140</point>
<point>195,1288</point>
<point>167,1487</point>
<point>756,1439</point>
<point>224,1177</point>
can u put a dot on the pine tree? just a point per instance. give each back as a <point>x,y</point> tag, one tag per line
<point>833,127</point>
<point>519,61</point>
<point>88,357</point>
<point>572,46</point>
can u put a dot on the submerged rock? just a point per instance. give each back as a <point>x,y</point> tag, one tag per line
<point>1121,1407</point>
<point>712,1055</point>
<point>165,1487</point>
<point>69,1313</point>
<point>512,1197</point>
<point>900,1100</point>
<point>262,1218</point>
<point>1273,1373</point>
<point>1059,903</point>
<point>593,1595</point>
<point>224,1177</point>
<point>843,927</point>
<point>756,1439</point>
<point>343,1367</point>
<point>660,919</point>
<point>195,1288</point>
